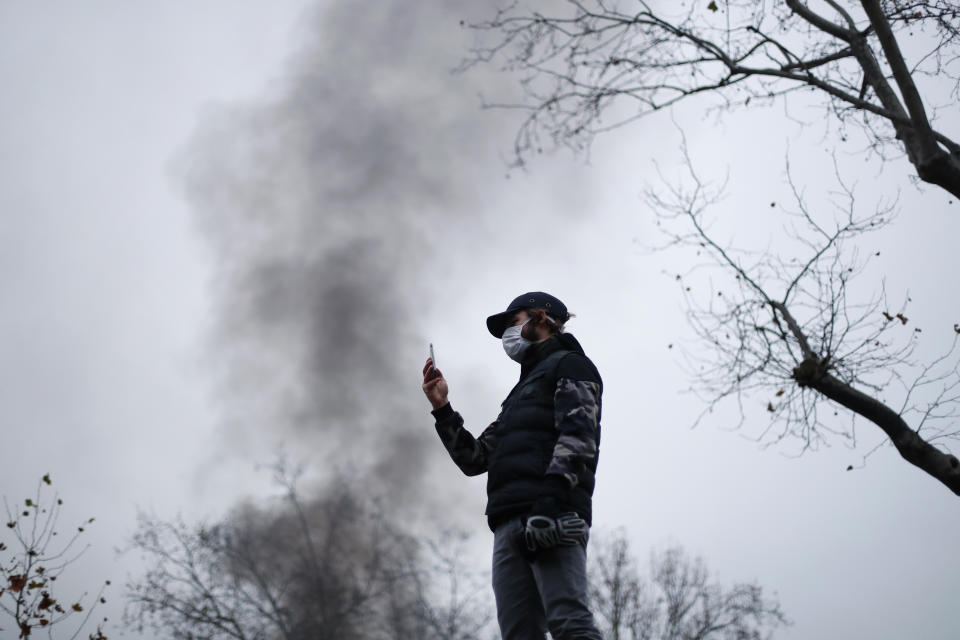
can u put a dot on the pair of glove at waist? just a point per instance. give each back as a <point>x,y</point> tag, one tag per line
<point>545,528</point>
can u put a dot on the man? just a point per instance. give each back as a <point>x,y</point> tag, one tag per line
<point>540,456</point>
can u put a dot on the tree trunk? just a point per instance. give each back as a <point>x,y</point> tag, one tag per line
<point>943,170</point>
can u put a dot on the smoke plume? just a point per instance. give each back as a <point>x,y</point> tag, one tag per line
<point>322,204</point>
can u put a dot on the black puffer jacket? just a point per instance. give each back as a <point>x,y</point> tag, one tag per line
<point>544,443</point>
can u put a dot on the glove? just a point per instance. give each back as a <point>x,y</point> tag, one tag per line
<point>572,529</point>
<point>540,532</point>
<point>546,532</point>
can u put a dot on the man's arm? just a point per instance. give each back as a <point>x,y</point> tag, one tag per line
<point>468,453</point>
<point>577,419</point>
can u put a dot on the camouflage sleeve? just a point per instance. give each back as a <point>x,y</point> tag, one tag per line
<point>467,452</point>
<point>577,418</point>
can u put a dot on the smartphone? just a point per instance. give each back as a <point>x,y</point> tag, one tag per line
<point>434,361</point>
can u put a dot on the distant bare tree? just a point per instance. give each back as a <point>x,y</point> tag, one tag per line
<point>588,66</point>
<point>329,568</point>
<point>35,561</point>
<point>620,597</point>
<point>453,599</point>
<point>791,327</point>
<point>677,601</point>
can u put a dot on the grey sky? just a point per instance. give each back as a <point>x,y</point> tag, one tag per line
<point>155,314</point>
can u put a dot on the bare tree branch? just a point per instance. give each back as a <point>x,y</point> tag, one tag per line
<point>788,327</point>
<point>593,67</point>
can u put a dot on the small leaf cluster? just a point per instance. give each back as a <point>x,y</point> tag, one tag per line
<point>31,561</point>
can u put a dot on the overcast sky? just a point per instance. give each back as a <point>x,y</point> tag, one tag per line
<point>232,228</point>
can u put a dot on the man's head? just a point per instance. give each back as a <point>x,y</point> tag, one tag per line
<point>536,324</point>
<point>546,315</point>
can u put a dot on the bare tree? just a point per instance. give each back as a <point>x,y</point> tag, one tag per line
<point>36,560</point>
<point>452,599</point>
<point>620,597</point>
<point>677,601</point>
<point>331,567</point>
<point>588,66</point>
<point>797,329</point>
<point>785,325</point>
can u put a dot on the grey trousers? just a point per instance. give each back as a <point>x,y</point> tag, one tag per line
<point>547,593</point>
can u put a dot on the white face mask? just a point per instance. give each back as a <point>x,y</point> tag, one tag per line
<point>515,344</point>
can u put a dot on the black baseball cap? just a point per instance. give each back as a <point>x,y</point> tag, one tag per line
<point>496,323</point>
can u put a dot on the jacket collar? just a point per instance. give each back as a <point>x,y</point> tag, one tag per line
<point>540,350</point>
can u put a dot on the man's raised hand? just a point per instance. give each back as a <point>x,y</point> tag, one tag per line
<point>434,386</point>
